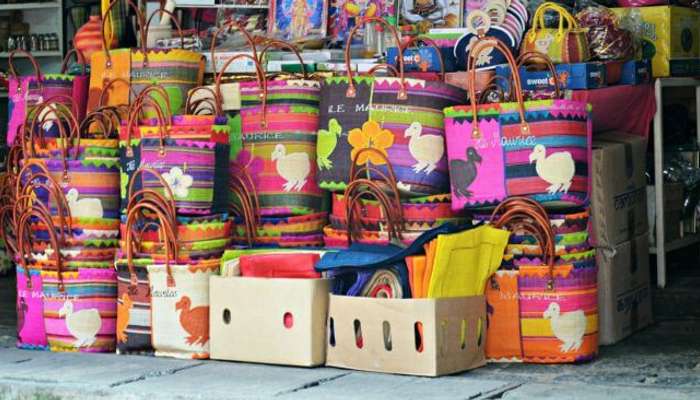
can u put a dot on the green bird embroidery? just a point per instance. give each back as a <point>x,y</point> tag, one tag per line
<point>327,140</point>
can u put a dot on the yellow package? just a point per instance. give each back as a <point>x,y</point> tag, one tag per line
<point>671,37</point>
<point>464,261</point>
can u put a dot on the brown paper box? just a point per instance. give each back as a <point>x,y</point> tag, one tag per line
<point>451,341</point>
<point>624,296</point>
<point>618,198</point>
<point>247,320</point>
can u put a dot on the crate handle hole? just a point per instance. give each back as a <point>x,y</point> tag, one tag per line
<point>331,333</point>
<point>418,334</point>
<point>386,329</point>
<point>359,341</point>
<point>288,320</point>
<point>463,335</point>
<point>227,316</point>
<point>479,332</point>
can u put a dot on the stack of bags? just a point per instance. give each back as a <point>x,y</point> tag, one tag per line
<point>66,205</point>
<point>174,225</point>
<point>273,175</point>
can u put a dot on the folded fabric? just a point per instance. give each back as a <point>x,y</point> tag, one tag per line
<point>464,261</point>
<point>390,282</point>
<point>280,265</point>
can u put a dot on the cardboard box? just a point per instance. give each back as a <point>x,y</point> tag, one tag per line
<point>618,192</point>
<point>669,33</point>
<point>636,72</point>
<point>381,335</point>
<point>423,59</point>
<point>624,296</point>
<point>571,76</point>
<point>274,321</point>
<point>673,211</point>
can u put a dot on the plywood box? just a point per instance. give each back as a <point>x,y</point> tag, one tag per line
<point>428,337</point>
<point>269,320</point>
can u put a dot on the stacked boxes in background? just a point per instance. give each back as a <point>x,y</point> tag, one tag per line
<point>671,38</point>
<point>620,235</point>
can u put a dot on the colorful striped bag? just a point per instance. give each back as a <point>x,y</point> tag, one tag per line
<point>279,126</point>
<point>80,309</point>
<point>71,86</point>
<point>31,333</point>
<point>400,117</point>
<point>540,149</point>
<point>545,313</point>
<point>134,292</point>
<point>24,92</point>
<point>176,70</point>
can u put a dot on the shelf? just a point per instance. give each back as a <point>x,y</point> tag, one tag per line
<point>35,54</point>
<point>679,82</point>
<point>29,6</point>
<point>678,244</point>
<point>227,6</point>
<point>3,94</point>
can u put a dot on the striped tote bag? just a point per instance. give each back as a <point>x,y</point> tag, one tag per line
<point>539,149</point>
<point>279,145</point>
<point>400,117</point>
<point>80,309</point>
<point>541,313</point>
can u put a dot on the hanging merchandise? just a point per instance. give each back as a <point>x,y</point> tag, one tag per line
<point>540,149</point>
<point>279,121</point>
<point>542,313</point>
<point>24,92</point>
<point>399,117</point>
<point>566,44</point>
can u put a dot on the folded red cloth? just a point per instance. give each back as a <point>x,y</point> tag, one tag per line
<point>294,265</point>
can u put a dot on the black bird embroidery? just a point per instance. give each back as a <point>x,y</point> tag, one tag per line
<point>463,173</point>
<point>21,311</point>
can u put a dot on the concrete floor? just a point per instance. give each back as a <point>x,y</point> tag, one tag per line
<point>661,362</point>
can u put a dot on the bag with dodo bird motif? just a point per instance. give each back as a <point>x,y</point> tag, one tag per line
<point>540,149</point>
<point>400,117</point>
<point>541,312</point>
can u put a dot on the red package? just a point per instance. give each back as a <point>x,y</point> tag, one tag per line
<point>286,265</point>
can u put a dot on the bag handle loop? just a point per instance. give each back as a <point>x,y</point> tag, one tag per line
<point>352,90</point>
<point>487,43</point>
<point>175,20</point>
<point>228,25</point>
<point>23,234</point>
<point>262,83</point>
<point>139,21</point>
<point>543,59</point>
<point>524,213</point>
<point>383,66</point>
<point>13,72</point>
<point>281,44</point>
<point>171,245</point>
<point>79,57</point>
